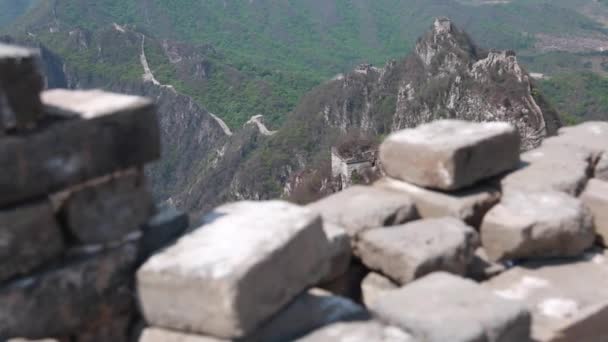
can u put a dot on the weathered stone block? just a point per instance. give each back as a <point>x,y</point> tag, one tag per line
<point>413,250</point>
<point>340,251</point>
<point>359,208</point>
<point>551,168</point>
<point>161,229</point>
<point>537,225</point>
<point>451,154</point>
<point>592,135</point>
<point>358,331</point>
<point>309,311</point>
<point>374,285</point>
<point>60,301</point>
<point>20,87</point>
<point>595,198</point>
<point>108,210</point>
<point>232,274</point>
<point>110,133</point>
<point>29,237</point>
<point>443,307</point>
<point>469,205</point>
<point>162,335</point>
<point>568,298</point>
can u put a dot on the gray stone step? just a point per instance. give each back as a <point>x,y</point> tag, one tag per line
<point>410,251</point>
<point>103,134</point>
<point>568,298</point>
<point>537,225</point>
<point>450,154</point>
<point>229,276</point>
<point>443,307</point>
<point>365,331</point>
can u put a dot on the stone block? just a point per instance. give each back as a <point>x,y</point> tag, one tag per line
<point>468,205</point>
<point>229,276</point>
<point>450,154</point>
<point>163,228</point>
<point>595,198</point>
<point>59,301</point>
<point>482,268</point>
<point>109,209</point>
<point>20,87</point>
<point>359,208</point>
<point>309,311</point>
<point>107,133</point>
<point>443,307</point>
<point>358,331</point>
<point>537,225</point>
<point>340,251</point>
<point>413,250</point>
<point>592,135</point>
<point>568,298</point>
<point>551,168</point>
<point>375,285</point>
<point>153,334</point>
<point>29,237</point>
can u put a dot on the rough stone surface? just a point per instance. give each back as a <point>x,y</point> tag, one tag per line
<point>551,168</point>
<point>568,299</point>
<point>375,285</point>
<point>29,237</point>
<point>595,198</point>
<point>450,154</point>
<point>20,87</point>
<point>309,311</point>
<point>537,225</point>
<point>161,229</point>
<point>469,205</point>
<point>413,250</point>
<point>359,208</point>
<point>72,151</point>
<point>358,332</point>
<point>443,307</point>
<point>162,335</point>
<point>201,285</point>
<point>340,251</point>
<point>108,211</point>
<point>592,135</point>
<point>59,301</point>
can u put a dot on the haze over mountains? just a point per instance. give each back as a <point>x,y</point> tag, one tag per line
<point>240,59</point>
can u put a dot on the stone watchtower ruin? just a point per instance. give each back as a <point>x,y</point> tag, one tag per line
<point>353,163</point>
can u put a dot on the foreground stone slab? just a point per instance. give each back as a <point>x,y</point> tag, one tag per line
<point>109,209</point>
<point>309,311</point>
<point>201,285</point>
<point>552,168</point>
<point>450,154</point>
<point>568,299</point>
<point>162,335</point>
<point>591,135</point>
<point>59,301</point>
<point>29,237</point>
<point>537,225</point>
<point>413,250</point>
<point>374,286</point>
<point>469,205</point>
<point>358,331</point>
<point>359,208</point>
<point>443,307</point>
<point>20,87</point>
<point>595,197</point>
<point>107,134</point>
<point>340,251</point>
